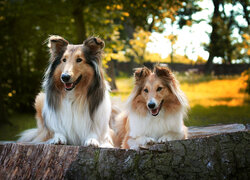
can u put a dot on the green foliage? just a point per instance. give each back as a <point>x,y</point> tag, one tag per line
<point>26,24</point>
<point>138,45</point>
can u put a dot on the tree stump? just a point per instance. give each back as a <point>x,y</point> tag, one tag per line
<point>221,156</point>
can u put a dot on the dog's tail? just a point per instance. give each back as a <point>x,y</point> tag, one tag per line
<point>35,135</point>
<point>41,133</point>
<point>28,135</point>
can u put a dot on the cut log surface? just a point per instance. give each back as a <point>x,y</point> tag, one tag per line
<point>194,132</point>
<point>225,155</point>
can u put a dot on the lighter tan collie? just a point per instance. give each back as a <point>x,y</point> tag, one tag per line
<point>75,106</point>
<point>155,110</point>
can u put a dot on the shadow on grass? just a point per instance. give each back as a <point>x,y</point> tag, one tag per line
<point>202,116</point>
<point>20,122</point>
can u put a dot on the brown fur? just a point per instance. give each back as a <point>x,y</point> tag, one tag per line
<point>123,128</point>
<point>39,107</point>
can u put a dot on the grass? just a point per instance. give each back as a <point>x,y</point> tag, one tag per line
<point>214,92</point>
<point>203,116</point>
<point>125,86</point>
<point>20,122</point>
<point>212,100</point>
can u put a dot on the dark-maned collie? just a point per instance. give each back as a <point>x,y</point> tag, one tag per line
<point>75,106</point>
<point>155,110</point>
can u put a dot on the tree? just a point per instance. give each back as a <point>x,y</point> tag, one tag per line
<point>222,44</point>
<point>26,24</point>
<point>138,45</point>
<point>173,39</point>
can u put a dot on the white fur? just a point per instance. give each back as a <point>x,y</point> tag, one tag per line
<point>28,135</point>
<point>72,124</point>
<point>160,128</point>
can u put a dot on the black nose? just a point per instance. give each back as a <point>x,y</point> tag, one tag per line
<point>65,77</point>
<point>151,105</point>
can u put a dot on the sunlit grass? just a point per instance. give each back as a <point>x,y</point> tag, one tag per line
<point>125,86</point>
<point>215,92</point>
<point>205,91</point>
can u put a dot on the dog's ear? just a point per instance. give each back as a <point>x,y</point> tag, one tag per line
<point>57,44</point>
<point>94,44</point>
<point>168,77</point>
<point>141,73</point>
<point>163,72</point>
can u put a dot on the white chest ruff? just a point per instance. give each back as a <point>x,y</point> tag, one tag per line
<point>73,121</point>
<point>154,126</point>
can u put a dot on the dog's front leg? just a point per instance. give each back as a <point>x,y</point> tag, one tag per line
<point>58,138</point>
<point>91,140</point>
<point>171,136</point>
<point>135,143</point>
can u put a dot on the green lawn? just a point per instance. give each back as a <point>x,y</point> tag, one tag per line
<point>202,116</point>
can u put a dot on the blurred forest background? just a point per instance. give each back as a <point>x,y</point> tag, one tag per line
<point>218,92</point>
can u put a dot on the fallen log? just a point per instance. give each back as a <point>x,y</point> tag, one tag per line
<point>221,156</point>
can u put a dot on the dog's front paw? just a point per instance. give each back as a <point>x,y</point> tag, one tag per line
<point>146,141</point>
<point>149,141</point>
<point>91,142</point>
<point>57,140</point>
<point>164,139</point>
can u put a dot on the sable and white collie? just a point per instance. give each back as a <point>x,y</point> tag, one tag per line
<point>75,106</point>
<point>155,110</point>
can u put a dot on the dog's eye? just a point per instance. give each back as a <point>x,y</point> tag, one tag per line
<point>78,60</point>
<point>64,60</point>
<point>159,89</point>
<point>145,90</point>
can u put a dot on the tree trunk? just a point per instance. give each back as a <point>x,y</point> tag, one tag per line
<point>223,156</point>
<point>3,110</point>
<point>209,64</point>
<point>79,21</point>
<point>111,74</point>
<point>172,43</point>
<point>213,37</point>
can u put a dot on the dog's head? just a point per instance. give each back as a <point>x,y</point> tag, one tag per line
<point>75,67</point>
<point>157,89</point>
<point>73,64</point>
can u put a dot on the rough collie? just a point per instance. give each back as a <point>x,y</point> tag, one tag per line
<point>155,110</point>
<point>75,106</point>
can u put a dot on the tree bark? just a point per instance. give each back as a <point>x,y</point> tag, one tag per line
<point>3,110</point>
<point>80,26</point>
<point>111,74</point>
<point>209,64</point>
<point>213,38</point>
<point>223,156</point>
